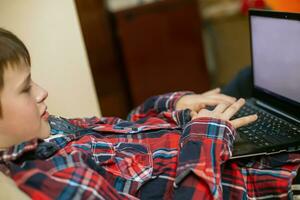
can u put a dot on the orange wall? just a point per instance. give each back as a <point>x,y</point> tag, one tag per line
<point>284,5</point>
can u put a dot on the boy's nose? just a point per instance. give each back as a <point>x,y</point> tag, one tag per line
<point>42,95</point>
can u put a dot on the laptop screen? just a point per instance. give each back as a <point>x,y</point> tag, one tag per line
<point>276,56</point>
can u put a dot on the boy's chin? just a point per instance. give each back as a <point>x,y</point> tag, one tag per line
<point>46,131</point>
<point>44,136</point>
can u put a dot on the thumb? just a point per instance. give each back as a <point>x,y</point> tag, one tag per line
<point>213,91</point>
<point>198,107</point>
<point>193,114</point>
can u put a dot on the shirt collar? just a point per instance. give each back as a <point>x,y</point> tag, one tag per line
<point>16,151</point>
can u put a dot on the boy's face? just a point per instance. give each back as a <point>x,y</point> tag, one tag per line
<point>24,115</point>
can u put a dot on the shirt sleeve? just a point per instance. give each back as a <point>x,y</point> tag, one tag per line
<point>69,183</point>
<point>178,117</point>
<point>205,144</point>
<point>156,104</point>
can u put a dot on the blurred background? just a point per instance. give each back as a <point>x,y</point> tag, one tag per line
<point>104,57</point>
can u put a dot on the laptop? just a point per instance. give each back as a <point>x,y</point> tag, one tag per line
<point>275,53</point>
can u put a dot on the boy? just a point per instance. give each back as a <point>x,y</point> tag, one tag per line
<point>171,147</point>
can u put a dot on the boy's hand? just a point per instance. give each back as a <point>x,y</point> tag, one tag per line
<point>225,112</point>
<point>196,102</point>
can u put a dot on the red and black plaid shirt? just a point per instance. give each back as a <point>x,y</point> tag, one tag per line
<point>158,153</point>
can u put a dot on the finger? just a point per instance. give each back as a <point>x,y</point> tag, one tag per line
<point>213,91</point>
<point>198,107</point>
<point>220,108</point>
<point>239,122</point>
<point>216,99</point>
<point>223,98</point>
<point>234,108</point>
<point>211,102</point>
<point>204,113</point>
<point>193,114</point>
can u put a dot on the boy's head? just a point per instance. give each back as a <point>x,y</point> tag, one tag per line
<point>23,113</point>
<point>12,53</point>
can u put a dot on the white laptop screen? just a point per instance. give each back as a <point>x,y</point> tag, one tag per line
<point>276,55</point>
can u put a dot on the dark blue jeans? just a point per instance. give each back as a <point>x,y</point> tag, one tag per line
<point>240,86</point>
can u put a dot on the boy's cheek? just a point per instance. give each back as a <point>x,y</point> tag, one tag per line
<point>29,129</point>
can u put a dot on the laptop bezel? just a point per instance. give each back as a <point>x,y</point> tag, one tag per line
<point>289,106</point>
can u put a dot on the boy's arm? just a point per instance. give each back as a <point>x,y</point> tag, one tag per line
<point>152,107</point>
<point>155,105</point>
<point>69,183</point>
<point>205,144</point>
<point>74,124</point>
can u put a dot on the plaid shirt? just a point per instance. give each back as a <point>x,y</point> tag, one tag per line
<point>158,153</point>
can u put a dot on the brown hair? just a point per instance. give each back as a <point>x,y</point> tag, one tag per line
<point>12,53</point>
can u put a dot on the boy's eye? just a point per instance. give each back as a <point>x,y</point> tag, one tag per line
<point>27,89</point>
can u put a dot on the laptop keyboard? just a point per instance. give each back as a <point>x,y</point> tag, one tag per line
<point>268,130</point>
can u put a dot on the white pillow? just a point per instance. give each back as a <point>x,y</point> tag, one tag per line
<point>9,190</point>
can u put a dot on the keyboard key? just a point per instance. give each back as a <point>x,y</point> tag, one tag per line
<point>268,129</point>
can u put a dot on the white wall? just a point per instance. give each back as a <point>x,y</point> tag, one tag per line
<point>51,31</point>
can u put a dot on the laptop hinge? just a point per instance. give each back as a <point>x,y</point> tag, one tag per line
<point>264,105</point>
